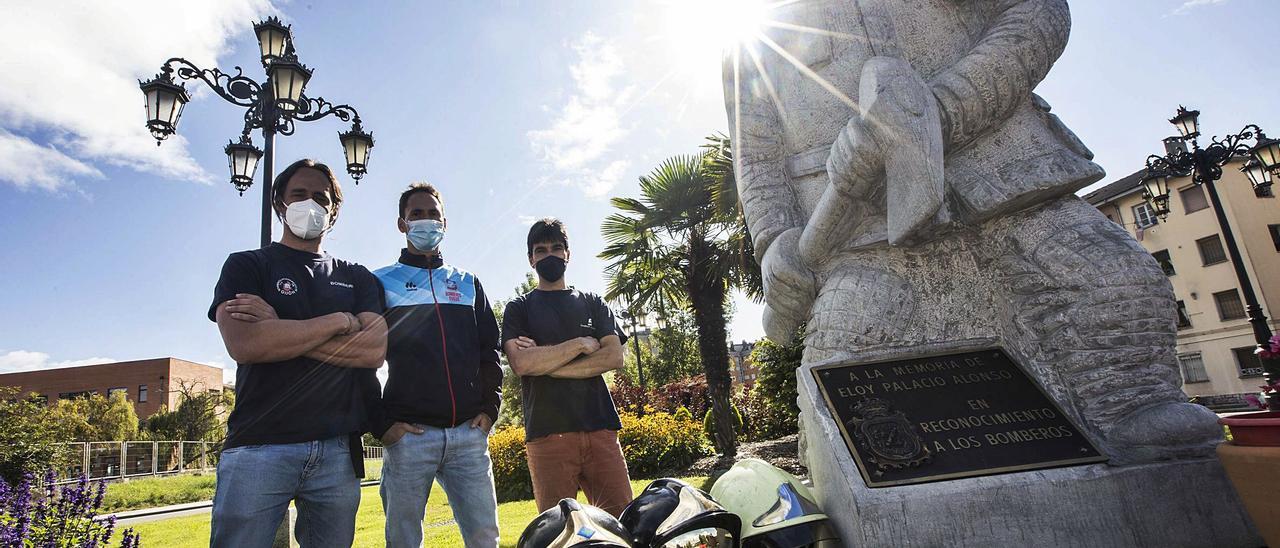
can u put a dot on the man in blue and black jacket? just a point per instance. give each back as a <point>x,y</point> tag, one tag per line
<point>443,383</point>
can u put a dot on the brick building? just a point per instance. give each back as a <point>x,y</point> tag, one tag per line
<point>149,384</point>
<point>742,367</point>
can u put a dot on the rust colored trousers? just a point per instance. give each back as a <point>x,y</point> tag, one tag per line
<point>560,464</point>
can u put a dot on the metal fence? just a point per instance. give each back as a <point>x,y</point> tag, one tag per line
<point>127,459</point>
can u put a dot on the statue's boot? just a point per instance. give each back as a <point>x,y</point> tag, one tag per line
<point>1165,430</point>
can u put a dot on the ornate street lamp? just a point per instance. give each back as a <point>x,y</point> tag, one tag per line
<point>1205,168</point>
<point>288,78</point>
<point>165,100</point>
<point>355,147</point>
<point>1259,177</point>
<point>243,159</point>
<point>1187,122</point>
<point>1155,185</point>
<point>273,38</point>
<point>273,106</point>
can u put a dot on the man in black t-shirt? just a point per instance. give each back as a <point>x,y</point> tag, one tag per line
<point>307,334</point>
<point>560,340</point>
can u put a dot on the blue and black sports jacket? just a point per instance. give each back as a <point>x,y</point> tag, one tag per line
<point>442,347</point>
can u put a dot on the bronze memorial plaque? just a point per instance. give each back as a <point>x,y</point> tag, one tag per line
<point>946,417</point>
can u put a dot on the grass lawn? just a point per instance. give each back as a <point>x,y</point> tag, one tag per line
<point>439,530</point>
<point>141,493</point>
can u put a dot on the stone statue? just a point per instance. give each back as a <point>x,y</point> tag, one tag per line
<point>904,187</point>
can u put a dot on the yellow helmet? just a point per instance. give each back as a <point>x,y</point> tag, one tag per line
<point>777,510</point>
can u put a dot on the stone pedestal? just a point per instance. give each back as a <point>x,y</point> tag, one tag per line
<point>1168,503</point>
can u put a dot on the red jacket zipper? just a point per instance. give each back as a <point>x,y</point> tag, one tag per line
<point>444,342</point>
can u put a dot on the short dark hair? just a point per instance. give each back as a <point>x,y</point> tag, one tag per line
<point>548,229</point>
<point>282,181</point>
<point>416,188</point>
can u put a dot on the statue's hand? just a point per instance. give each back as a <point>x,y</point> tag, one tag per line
<point>891,154</point>
<point>789,287</point>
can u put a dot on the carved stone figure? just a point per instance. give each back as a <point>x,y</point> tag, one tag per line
<point>904,187</point>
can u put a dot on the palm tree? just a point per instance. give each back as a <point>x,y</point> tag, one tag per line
<point>684,243</point>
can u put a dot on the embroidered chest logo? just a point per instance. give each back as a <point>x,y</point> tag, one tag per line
<point>286,286</point>
<point>451,291</point>
<point>343,284</point>
<point>410,286</point>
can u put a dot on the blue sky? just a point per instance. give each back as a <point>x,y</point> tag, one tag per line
<point>515,110</point>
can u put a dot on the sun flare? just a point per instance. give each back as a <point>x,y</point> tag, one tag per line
<point>698,29</point>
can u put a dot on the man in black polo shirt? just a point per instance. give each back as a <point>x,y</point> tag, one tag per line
<point>307,334</point>
<point>560,340</point>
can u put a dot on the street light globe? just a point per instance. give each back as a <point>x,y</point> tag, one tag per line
<point>242,158</point>
<point>1187,122</point>
<point>273,38</point>
<point>1259,177</point>
<point>355,147</point>
<point>1156,186</point>
<point>288,78</point>
<point>1267,152</point>
<point>165,101</point>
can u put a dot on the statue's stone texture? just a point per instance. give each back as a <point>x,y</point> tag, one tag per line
<point>906,189</point>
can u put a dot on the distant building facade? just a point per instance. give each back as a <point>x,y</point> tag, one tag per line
<point>149,384</point>
<point>1215,341</point>
<point>741,365</point>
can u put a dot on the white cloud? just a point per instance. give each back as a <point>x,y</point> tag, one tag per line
<point>26,360</point>
<point>71,77</point>
<point>1193,4</point>
<point>29,165</point>
<point>577,146</point>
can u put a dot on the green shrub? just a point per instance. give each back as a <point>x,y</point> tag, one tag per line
<point>510,467</point>
<point>709,423</point>
<point>659,442</point>
<point>30,438</point>
<point>655,443</point>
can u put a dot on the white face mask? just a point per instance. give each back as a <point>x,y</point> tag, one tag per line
<point>306,219</point>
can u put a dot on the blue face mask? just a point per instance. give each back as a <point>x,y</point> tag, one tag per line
<point>425,234</point>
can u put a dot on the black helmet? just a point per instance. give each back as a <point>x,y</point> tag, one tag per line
<point>572,524</point>
<point>673,514</point>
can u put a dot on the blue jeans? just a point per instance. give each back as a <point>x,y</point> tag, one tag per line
<point>256,483</point>
<point>459,458</point>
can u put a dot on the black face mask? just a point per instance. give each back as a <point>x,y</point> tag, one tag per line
<point>550,268</point>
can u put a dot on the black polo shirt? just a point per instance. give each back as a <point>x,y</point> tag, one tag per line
<point>552,405</point>
<point>299,399</point>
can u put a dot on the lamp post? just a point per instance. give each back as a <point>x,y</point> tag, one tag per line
<point>273,106</point>
<point>1205,168</point>
<point>639,322</point>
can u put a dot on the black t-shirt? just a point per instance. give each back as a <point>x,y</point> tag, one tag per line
<point>554,405</point>
<point>300,399</point>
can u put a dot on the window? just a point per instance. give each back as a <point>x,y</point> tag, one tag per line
<point>1192,366</point>
<point>73,395</point>
<point>1229,305</point>
<point>1184,321</point>
<point>142,393</point>
<point>1143,215</point>
<point>1247,361</point>
<point>41,399</point>
<point>1166,263</point>
<point>1275,235</point>
<point>1211,250</point>
<point>119,389</point>
<point>1193,199</point>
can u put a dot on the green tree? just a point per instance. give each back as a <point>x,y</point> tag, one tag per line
<point>511,411</point>
<point>31,437</point>
<point>201,415</point>
<point>95,418</point>
<point>683,244</point>
<point>776,384</point>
